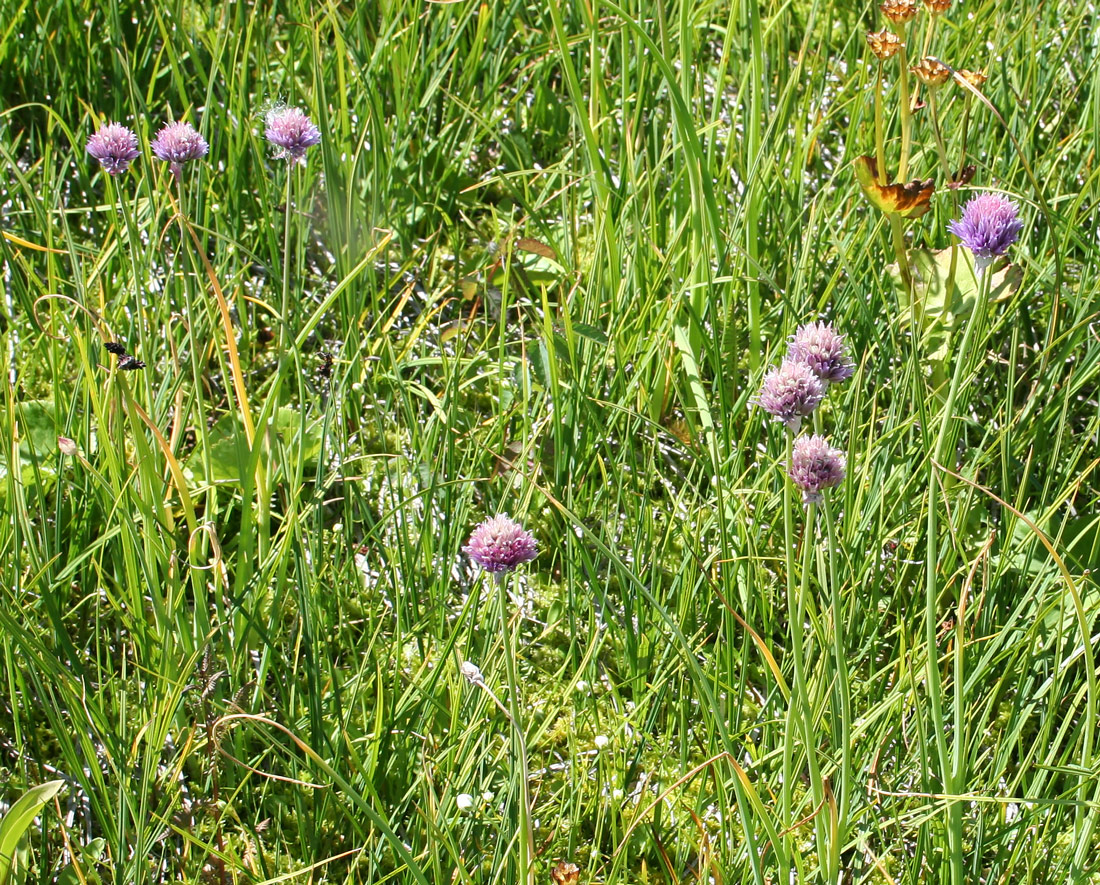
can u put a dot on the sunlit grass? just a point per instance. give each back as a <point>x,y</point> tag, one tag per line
<point>538,264</point>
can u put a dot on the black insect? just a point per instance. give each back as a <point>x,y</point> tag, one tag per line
<point>126,362</point>
<point>325,369</point>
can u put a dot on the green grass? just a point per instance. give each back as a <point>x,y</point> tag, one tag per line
<point>233,623</point>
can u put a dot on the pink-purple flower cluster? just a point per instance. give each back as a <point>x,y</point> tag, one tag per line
<point>815,465</point>
<point>990,223</point>
<point>500,544</point>
<point>177,143</point>
<point>115,146</point>
<point>292,133</point>
<point>817,356</point>
<point>790,392</point>
<point>820,347</point>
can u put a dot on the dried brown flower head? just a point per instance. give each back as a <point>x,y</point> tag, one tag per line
<point>963,176</point>
<point>974,78</point>
<point>899,11</point>
<point>566,874</point>
<point>931,71</point>
<point>884,43</point>
<point>937,7</point>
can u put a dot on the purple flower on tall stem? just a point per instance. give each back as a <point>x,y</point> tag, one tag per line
<point>990,223</point>
<point>790,393</point>
<point>820,347</point>
<point>292,133</point>
<point>114,146</point>
<point>500,544</point>
<point>815,465</point>
<point>176,143</point>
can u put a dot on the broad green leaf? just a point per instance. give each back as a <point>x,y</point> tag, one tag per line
<point>19,818</point>
<point>229,455</point>
<point>37,429</point>
<point>590,332</point>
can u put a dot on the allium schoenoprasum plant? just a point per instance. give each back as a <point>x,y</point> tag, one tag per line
<point>406,266</point>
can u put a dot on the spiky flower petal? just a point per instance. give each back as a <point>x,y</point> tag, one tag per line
<point>292,133</point>
<point>500,544</point>
<point>820,347</point>
<point>937,7</point>
<point>178,142</point>
<point>815,465</point>
<point>990,223</point>
<point>790,393</point>
<point>884,44</point>
<point>114,146</point>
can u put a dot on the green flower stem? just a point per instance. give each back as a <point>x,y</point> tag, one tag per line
<point>880,134</point>
<point>951,761</point>
<point>843,716</point>
<point>897,238</point>
<point>945,167</point>
<point>519,741</point>
<point>284,303</point>
<point>928,32</point>
<point>904,111</point>
<point>941,147</point>
<point>796,596</point>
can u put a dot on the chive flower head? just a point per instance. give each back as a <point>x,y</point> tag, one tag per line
<point>820,347</point>
<point>815,465</point>
<point>990,223</point>
<point>178,142</point>
<point>114,146</point>
<point>790,392</point>
<point>291,132</point>
<point>500,544</point>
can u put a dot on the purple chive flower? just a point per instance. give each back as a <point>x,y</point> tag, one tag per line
<point>291,132</point>
<point>500,544</point>
<point>114,146</point>
<point>790,393</point>
<point>820,347</point>
<point>177,143</point>
<point>815,465</point>
<point>989,225</point>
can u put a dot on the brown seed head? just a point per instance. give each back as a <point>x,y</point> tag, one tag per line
<point>974,78</point>
<point>931,71</point>
<point>566,874</point>
<point>884,43</point>
<point>899,11</point>
<point>937,7</point>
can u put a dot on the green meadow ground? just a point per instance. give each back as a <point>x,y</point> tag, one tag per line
<point>551,249</point>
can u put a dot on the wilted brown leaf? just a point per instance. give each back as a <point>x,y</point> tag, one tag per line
<point>536,247</point>
<point>910,200</point>
<point>963,176</point>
